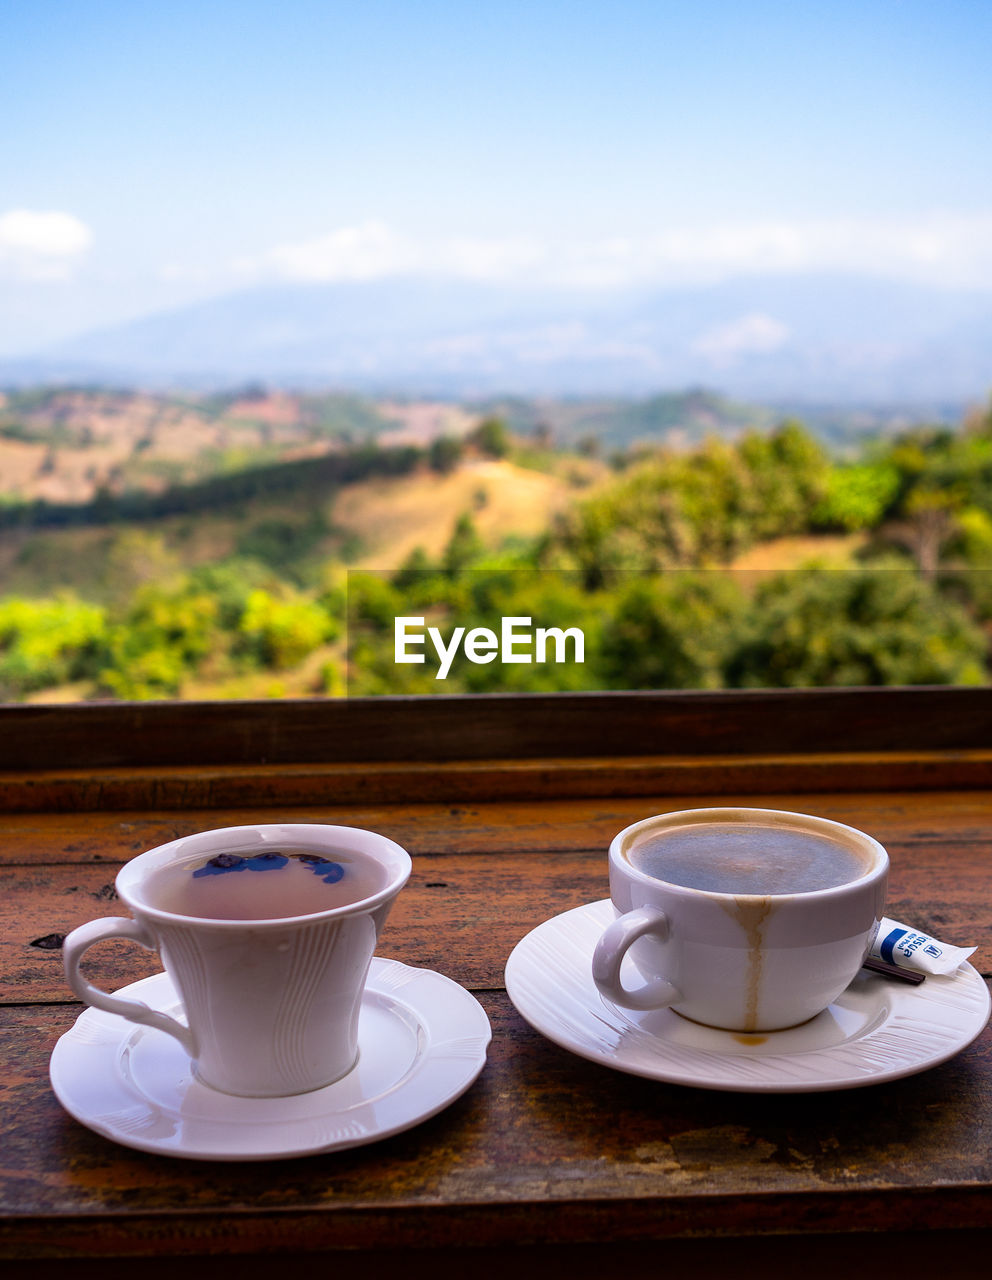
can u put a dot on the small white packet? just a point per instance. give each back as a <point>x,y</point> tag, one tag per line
<point>908,948</point>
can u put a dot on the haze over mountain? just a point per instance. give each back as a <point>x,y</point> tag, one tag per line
<point>815,338</point>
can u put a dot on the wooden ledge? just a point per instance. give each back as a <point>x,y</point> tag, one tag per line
<point>457,781</point>
<point>483,727</point>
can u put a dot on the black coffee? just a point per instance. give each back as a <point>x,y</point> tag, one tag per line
<point>746,858</point>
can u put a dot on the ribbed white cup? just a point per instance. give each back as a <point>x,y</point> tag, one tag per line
<point>271,1006</point>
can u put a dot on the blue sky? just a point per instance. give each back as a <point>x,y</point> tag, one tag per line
<point>150,155</point>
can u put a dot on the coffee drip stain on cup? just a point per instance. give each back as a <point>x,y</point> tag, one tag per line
<point>751,914</point>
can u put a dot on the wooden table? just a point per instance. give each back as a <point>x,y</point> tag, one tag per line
<point>507,805</point>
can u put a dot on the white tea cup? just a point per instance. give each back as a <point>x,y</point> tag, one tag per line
<point>271,978</point>
<point>746,919</point>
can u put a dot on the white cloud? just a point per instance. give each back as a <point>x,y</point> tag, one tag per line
<point>373,250</point>
<point>940,248</point>
<point>42,244</point>
<point>752,334</point>
<point>950,249</point>
<point>487,259</point>
<point>365,252</point>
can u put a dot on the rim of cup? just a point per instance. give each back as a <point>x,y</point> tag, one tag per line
<point>254,839</point>
<point>866,844</point>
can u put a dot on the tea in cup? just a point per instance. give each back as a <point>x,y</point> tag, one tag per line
<point>268,934</point>
<point>746,919</point>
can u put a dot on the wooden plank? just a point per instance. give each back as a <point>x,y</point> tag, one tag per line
<point>458,781</point>
<point>461,913</point>
<point>485,726</point>
<point>574,824</point>
<point>544,1147</point>
<point>701,1257</point>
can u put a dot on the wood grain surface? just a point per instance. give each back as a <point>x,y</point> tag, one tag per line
<point>546,1151</point>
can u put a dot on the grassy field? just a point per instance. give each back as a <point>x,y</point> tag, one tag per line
<point>392,517</point>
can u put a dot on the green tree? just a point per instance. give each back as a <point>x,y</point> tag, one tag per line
<point>788,476</point>
<point>48,642</point>
<point>871,626</point>
<point>163,635</point>
<point>857,496</point>
<point>671,631</point>
<point>694,510</point>
<point>285,544</point>
<point>492,436</point>
<point>463,547</point>
<point>445,453</point>
<point>374,604</point>
<point>411,572</point>
<point>280,630</point>
<point>551,601</point>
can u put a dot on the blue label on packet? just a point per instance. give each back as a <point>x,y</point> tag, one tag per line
<point>889,942</point>
<point>905,948</point>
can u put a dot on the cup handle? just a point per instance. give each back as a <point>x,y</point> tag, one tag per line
<point>611,949</point>
<point>81,939</point>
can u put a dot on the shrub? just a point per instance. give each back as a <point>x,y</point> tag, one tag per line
<point>873,626</point>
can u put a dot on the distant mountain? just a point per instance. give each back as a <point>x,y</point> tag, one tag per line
<point>840,340</point>
<point>678,419</point>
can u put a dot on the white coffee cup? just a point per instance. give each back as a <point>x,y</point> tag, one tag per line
<point>271,1004</point>
<point>744,961</point>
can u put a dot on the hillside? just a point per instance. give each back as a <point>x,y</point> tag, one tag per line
<point>69,444</point>
<point>680,419</point>
<point>66,444</point>
<point>370,523</point>
<point>279,537</point>
<point>389,518</point>
<point>237,585</point>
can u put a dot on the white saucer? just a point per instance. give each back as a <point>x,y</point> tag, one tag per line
<point>422,1041</point>
<point>879,1029</point>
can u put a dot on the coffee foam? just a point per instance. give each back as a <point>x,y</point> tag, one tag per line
<point>749,853</point>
